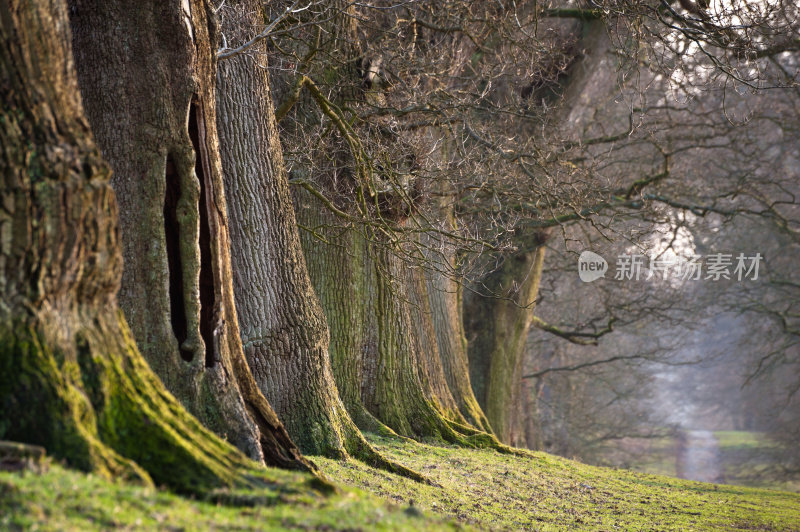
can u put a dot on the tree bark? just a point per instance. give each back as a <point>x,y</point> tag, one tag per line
<point>71,377</point>
<point>284,332</point>
<point>383,348</point>
<point>498,327</point>
<point>427,341</point>
<point>341,266</point>
<point>402,386</point>
<point>445,302</point>
<point>147,72</point>
<point>375,355</point>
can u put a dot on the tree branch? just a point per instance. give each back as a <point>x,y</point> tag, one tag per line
<point>576,337</point>
<point>583,365</point>
<point>228,53</point>
<point>582,14</point>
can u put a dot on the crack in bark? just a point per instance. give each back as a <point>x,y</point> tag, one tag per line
<point>174,263</point>
<point>208,319</point>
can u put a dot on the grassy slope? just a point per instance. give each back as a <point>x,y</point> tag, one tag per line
<point>64,500</point>
<point>486,489</point>
<point>545,492</point>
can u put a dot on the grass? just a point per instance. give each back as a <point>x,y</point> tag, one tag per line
<point>65,500</point>
<point>746,458</point>
<point>656,455</point>
<point>751,458</point>
<point>740,439</point>
<point>470,488</point>
<point>544,492</point>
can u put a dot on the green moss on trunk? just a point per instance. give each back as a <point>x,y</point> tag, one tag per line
<point>498,327</point>
<point>94,403</point>
<point>71,378</point>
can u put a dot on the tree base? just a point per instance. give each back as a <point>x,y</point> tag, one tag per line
<point>90,399</point>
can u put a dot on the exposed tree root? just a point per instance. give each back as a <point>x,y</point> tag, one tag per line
<point>91,400</point>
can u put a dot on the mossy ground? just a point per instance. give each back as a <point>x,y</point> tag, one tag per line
<point>544,492</point>
<point>471,488</point>
<point>66,500</point>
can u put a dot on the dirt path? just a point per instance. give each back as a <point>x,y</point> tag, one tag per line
<point>698,456</point>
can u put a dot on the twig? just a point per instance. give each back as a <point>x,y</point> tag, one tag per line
<point>226,54</point>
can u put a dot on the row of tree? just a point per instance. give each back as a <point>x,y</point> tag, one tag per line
<point>432,146</point>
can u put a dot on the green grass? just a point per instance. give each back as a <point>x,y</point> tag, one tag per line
<point>544,492</point>
<point>65,500</point>
<point>752,459</point>
<point>470,488</point>
<point>740,439</point>
<point>746,459</point>
<point>651,455</point>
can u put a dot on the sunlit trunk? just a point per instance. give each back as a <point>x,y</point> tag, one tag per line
<point>147,73</point>
<point>71,377</point>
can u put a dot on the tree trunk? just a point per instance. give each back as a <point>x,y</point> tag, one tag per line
<point>71,377</point>
<point>284,332</point>
<point>402,386</point>
<point>427,341</point>
<point>342,268</point>
<point>147,72</point>
<point>374,353</point>
<point>383,347</point>
<point>498,328</point>
<point>445,301</point>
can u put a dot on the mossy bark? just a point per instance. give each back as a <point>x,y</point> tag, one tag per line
<point>498,326</point>
<point>336,268</point>
<point>147,71</point>
<point>284,332</point>
<point>445,303</point>
<point>400,377</point>
<point>383,348</point>
<point>71,377</point>
<point>90,399</point>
